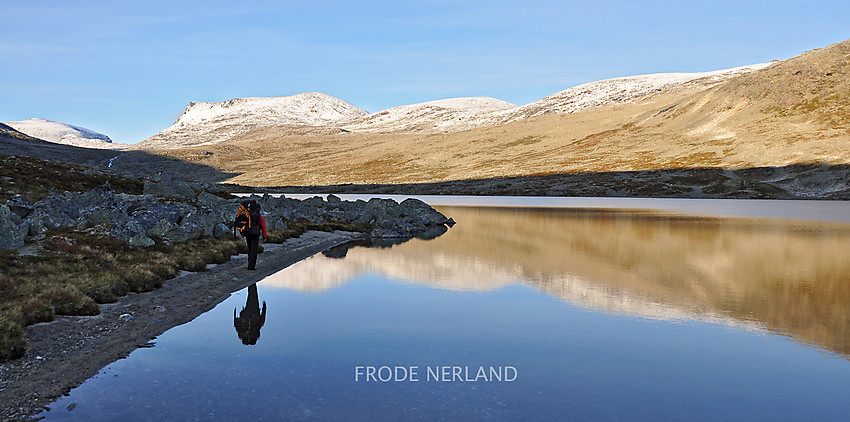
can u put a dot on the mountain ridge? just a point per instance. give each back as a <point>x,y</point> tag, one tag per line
<point>204,123</point>
<point>793,112</point>
<point>63,133</point>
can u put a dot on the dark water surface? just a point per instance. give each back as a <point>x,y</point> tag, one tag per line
<point>589,315</point>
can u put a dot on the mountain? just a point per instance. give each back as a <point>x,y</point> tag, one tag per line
<point>793,112</point>
<point>433,116</point>
<point>204,123</point>
<point>621,90</point>
<point>207,123</point>
<point>63,133</point>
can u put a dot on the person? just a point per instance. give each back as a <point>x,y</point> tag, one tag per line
<point>251,224</point>
<point>250,320</point>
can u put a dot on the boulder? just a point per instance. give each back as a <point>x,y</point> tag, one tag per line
<point>206,199</point>
<point>184,233</point>
<point>131,232</point>
<point>221,230</point>
<point>160,176</point>
<point>175,189</point>
<point>422,212</point>
<point>20,205</point>
<point>274,222</point>
<point>13,232</point>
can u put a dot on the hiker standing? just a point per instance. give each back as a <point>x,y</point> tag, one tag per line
<point>251,224</point>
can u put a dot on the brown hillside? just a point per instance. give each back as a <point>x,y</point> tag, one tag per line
<point>794,112</point>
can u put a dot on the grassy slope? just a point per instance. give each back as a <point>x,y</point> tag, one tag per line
<point>792,113</point>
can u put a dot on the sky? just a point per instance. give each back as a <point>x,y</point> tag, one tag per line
<point>128,69</point>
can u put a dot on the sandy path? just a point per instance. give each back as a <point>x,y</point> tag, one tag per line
<point>64,353</point>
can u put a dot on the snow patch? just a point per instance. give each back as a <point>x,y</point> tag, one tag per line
<point>63,133</point>
<point>439,115</point>
<point>209,123</point>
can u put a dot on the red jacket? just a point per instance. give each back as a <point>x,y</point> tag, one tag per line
<point>263,227</point>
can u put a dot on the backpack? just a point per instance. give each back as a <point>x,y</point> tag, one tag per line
<point>248,219</point>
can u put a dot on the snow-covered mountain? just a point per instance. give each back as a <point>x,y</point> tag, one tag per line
<point>617,90</point>
<point>466,113</point>
<point>432,116</point>
<point>63,133</point>
<point>207,123</point>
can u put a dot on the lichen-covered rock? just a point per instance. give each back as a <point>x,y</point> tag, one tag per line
<point>13,232</point>
<point>20,205</point>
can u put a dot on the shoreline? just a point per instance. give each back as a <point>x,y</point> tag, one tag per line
<point>64,353</point>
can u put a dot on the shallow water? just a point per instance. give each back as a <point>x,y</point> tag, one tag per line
<point>589,315</point>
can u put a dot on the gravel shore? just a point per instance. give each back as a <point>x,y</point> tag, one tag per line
<point>64,353</point>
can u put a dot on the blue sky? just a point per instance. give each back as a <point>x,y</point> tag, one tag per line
<point>128,69</point>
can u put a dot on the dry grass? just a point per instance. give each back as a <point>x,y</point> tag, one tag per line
<point>38,178</point>
<point>77,271</point>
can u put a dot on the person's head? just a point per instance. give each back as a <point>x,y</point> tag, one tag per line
<point>251,204</point>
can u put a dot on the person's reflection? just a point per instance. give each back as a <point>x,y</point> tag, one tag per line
<point>250,320</point>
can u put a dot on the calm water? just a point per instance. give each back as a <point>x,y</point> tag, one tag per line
<point>585,315</point>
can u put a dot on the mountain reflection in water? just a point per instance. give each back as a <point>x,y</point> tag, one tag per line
<point>792,278</point>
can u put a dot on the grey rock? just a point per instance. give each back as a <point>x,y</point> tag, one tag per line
<point>206,199</point>
<point>422,212</point>
<point>140,241</point>
<point>13,232</point>
<point>160,176</point>
<point>185,233</point>
<point>221,230</point>
<point>178,190</point>
<point>20,205</point>
<point>275,222</point>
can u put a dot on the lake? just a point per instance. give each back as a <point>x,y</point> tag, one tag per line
<point>591,313</point>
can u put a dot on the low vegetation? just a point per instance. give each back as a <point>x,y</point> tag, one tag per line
<point>77,270</point>
<point>70,272</point>
<point>37,179</point>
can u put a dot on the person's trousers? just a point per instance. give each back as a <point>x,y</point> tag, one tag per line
<point>253,248</point>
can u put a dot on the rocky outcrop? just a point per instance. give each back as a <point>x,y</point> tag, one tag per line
<point>384,218</point>
<point>175,211</point>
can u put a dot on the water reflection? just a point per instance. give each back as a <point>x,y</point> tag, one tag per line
<point>250,319</point>
<point>787,277</point>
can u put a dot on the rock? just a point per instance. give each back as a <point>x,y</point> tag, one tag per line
<point>42,220</point>
<point>184,233</point>
<point>178,190</point>
<point>13,232</point>
<point>422,212</point>
<point>221,230</point>
<point>333,199</point>
<point>274,222</point>
<point>140,241</point>
<point>20,205</point>
<point>160,176</point>
<point>206,199</point>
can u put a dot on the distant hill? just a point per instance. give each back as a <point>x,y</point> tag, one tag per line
<point>63,133</point>
<point>433,116</point>
<point>209,123</point>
